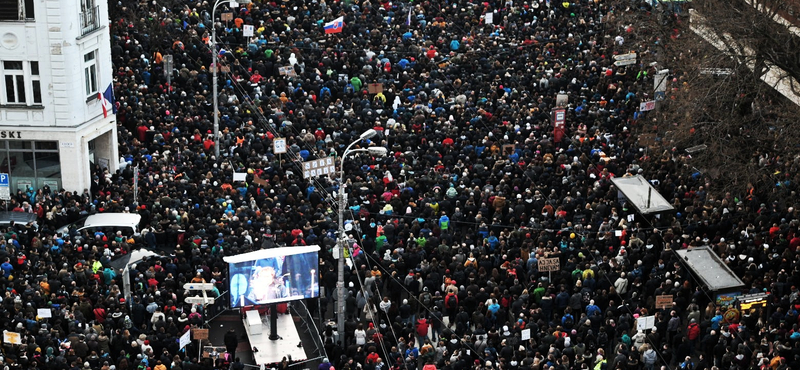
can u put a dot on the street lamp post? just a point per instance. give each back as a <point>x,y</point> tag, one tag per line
<point>215,57</point>
<point>341,293</point>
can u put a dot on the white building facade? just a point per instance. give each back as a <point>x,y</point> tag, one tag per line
<point>55,62</point>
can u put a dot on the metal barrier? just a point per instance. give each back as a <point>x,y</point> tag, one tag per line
<point>306,316</point>
<point>217,308</point>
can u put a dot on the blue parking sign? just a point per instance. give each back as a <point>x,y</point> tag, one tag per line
<point>4,179</point>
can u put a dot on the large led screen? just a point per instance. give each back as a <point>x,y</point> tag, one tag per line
<point>274,279</point>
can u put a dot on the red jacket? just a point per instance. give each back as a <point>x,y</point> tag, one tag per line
<point>693,331</point>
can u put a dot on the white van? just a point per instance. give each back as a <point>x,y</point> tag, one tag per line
<point>108,223</point>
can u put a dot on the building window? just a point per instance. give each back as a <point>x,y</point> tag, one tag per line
<point>21,83</point>
<point>14,78</point>
<point>90,73</point>
<point>36,83</point>
<point>16,10</point>
<point>90,16</point>
<point>31,164</point>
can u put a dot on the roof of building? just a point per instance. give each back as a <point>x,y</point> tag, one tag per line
<point>709,268</point>
<point>638,192</point>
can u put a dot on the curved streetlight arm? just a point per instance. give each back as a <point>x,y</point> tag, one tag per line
<point>215,58</point>
<point>378,151</point>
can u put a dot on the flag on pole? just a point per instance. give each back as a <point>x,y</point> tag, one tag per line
<point>408,20</point>
<point>335,26</point>
<point>108,95</point>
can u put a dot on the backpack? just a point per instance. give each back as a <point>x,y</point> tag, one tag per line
<point>426,299</point>
<point>602,339</point>
<point>569,321</point>
<point>452,302</point>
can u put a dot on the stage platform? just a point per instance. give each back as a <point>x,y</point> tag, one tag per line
<point>266,351</point>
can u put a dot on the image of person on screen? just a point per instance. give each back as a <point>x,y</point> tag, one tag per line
<point>265,286</point>
<point>303,280</point>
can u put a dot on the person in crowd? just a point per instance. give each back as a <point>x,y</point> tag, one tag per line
<point>478,194</point>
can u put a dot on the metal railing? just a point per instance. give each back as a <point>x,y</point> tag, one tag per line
<point>217,308</point>
<point>90,20</point>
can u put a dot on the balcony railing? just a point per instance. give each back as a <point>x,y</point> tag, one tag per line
<point>90,20</point>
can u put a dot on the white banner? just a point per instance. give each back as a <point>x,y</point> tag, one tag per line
<point>44,313</point>
<point>186,338</point>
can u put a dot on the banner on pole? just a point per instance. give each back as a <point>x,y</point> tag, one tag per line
<point>185,339</point>
<point>11,337</point>
<point>247,30</point>
<point>663,301</point>
<point>549,264</point>
<point>319,167</point>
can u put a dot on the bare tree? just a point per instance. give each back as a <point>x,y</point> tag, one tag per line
<point>718,99</point>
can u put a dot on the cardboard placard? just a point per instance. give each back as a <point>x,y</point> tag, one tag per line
<point>222,69</point>
<point>375,88</point>
<point>11,337</point>
<point>663,301</point>
<point>508,149</point>
<point>259,181</point>
<point>287,71</point>
<point>44,313</point>
<point>199,334</point>
<point>526,334</point>
<point>549,264</point>
<point>226,17</point>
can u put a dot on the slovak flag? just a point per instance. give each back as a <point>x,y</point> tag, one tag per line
<point>335,26</point>
<point>107,97</point>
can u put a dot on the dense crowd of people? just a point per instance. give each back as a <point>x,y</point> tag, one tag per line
<point>445,233</point>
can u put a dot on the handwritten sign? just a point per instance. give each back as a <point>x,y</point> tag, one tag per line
<point>549,264</point>
<point>200,334</point>
<point>663,301</point>
<point>11,337</point>
<point>375,88</point>
<point>227,17</point>
<point>185,339</point>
